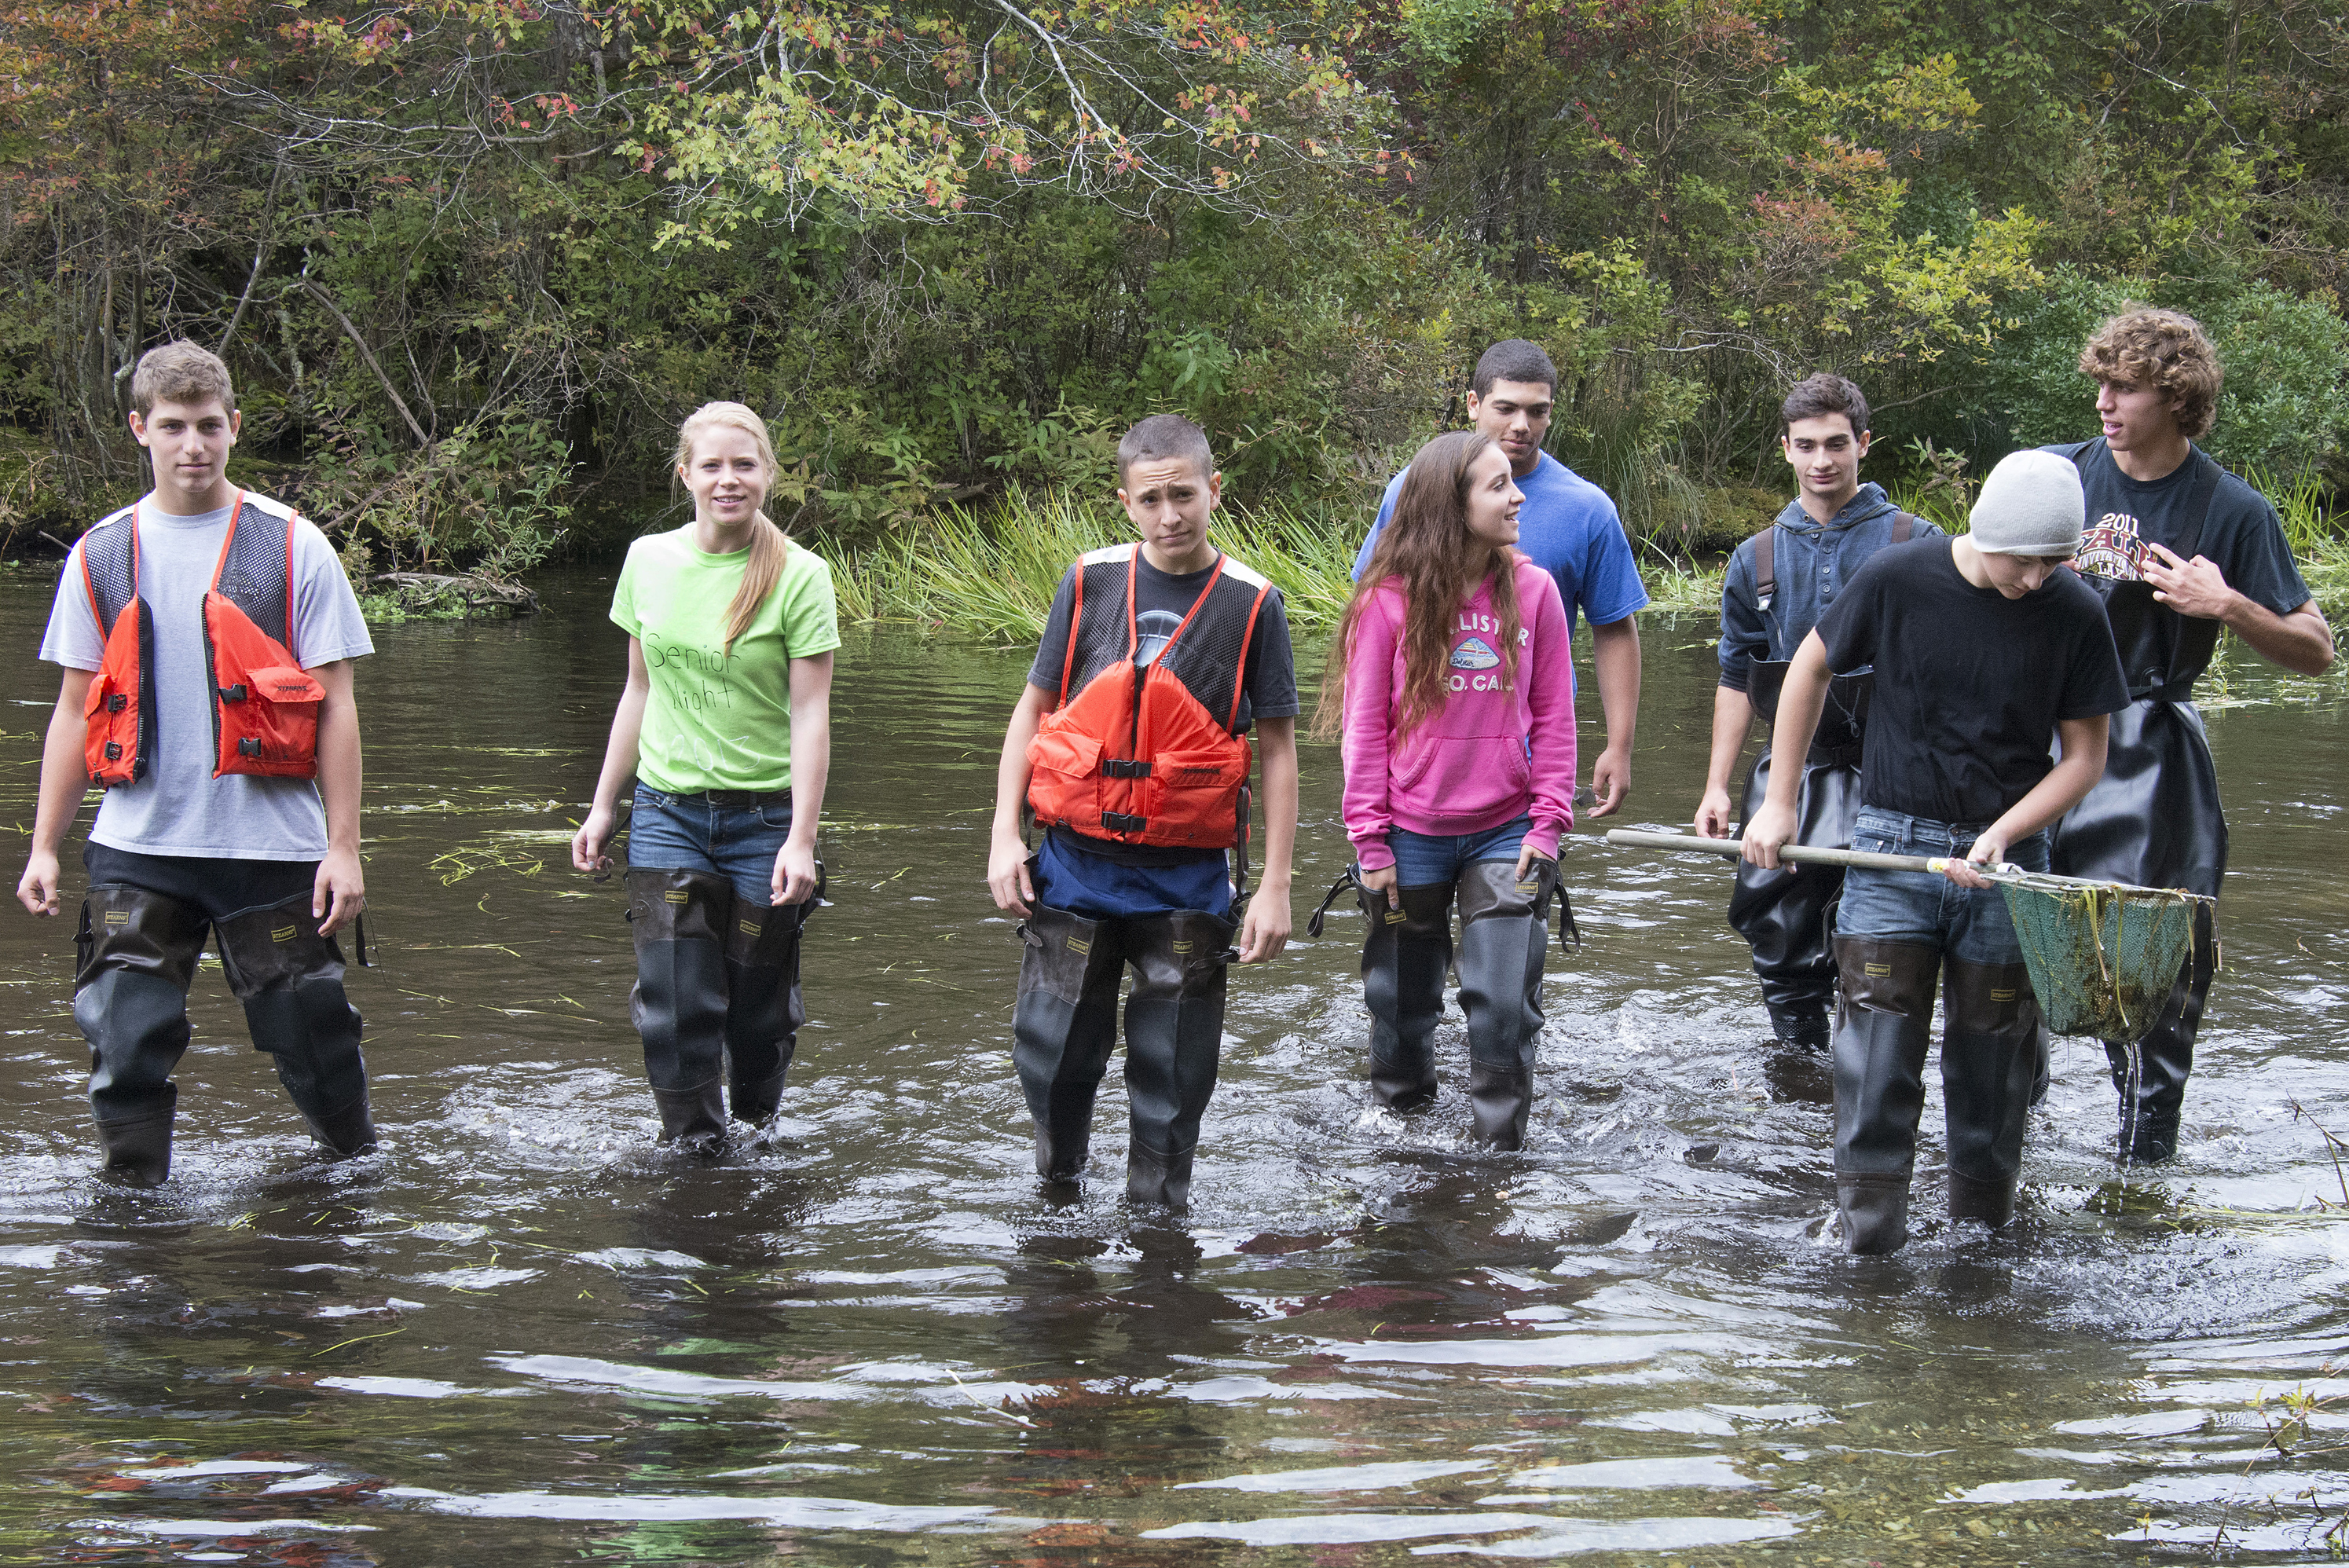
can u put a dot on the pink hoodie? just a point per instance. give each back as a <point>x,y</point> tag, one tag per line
<point>1466,768</point>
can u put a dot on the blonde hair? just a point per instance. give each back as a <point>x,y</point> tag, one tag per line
<point>767,545</point>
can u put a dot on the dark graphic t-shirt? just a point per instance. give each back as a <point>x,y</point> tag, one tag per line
<point>2239,534</point>
<point>1969,685</point>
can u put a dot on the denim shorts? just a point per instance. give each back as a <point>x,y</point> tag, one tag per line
<point>1925,907</point>
<point>686,832</point>
<point>1424,859</point>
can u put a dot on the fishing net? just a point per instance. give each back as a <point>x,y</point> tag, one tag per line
<point>2103,957</point>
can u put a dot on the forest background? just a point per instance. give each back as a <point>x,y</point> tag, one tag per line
<point>473,260</point>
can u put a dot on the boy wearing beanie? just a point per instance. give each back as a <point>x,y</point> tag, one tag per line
<point>1985,648</point>
<point>2181,550</point>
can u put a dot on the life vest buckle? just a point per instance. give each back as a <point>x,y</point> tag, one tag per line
<point>1124,767</point>
<point>232,694</point>
<point>1122,822</point>
<point>248,746</point>
<point>115,702</point>
<point>113,751</point>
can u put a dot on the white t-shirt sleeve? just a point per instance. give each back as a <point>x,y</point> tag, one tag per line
<point>328,624</point>
<point>73,639</point>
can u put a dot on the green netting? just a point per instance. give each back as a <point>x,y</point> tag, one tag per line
<point>2103,958</point>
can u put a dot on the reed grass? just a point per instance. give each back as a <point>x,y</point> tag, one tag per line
<point>993,573</point>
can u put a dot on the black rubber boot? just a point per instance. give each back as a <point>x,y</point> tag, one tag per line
<point>290,979</point>
<point>1405,956</point>
<point>136,952</point>
<point>1174,1043</point>
<point>763,1011</point>
<point>677,919</point>
<point>1989,1054</point>
<point>137,1152</point>
<point>2148,1127</point>
<point>1502,936</point>
<point>2042,1066</point>
<point>1783,914</point>
<point>1883,1031</point>
<point>1063,1030</point>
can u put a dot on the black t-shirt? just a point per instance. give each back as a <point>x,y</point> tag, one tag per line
<point>1969,685</point>
<point>2239,534</point>
<point>1161,601</point>
<point>1268,689</point>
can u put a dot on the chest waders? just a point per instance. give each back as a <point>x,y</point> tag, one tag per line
<point>137,951</point>
<point>717,999</point>
<point>1504,926</point>
<point>1782,914</point>
<point>2155,820</point>
<point>1883,1031</point>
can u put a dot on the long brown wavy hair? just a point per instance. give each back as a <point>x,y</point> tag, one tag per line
<point>1427,544</point>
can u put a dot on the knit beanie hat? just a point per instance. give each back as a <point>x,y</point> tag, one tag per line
<point>2032,504</point>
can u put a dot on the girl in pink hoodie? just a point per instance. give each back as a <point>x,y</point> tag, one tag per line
<point>1455,682</point>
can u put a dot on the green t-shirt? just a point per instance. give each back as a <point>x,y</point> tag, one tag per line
<point>716,721</point>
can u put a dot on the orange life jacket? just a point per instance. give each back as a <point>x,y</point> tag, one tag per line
<point>265,705</point>
<point>1138,754</point>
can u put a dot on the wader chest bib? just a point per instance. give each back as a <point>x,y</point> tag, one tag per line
<point>1144,752</point>
<point>263,705</point>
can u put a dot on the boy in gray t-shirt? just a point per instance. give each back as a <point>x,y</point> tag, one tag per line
<point>206,636</point>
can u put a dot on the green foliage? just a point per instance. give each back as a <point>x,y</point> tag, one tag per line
<point>2287,362</point>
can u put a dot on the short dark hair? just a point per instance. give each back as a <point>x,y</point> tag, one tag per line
<point>1162,436</point>
<point>1816,397</point>
<point>1514,359</point>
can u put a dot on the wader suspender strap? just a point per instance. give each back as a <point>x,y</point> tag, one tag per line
<point>1766,573</point>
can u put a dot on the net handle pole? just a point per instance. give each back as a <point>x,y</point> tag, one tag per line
<point>1800,853</point>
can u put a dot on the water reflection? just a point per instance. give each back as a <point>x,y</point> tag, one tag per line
<point>520,1333</point>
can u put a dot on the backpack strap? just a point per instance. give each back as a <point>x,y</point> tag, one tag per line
<point>1766,567</point>
<point>1904,527</point>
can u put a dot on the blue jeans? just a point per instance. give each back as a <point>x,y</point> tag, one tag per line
<point>1924,907</point>
<point>687,833</point>
<point>1098,887</point>
<point>1426,859</point>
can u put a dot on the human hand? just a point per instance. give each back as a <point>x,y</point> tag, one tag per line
<point>339,894</point>
<point>1385,880</point>
<point>1007,875</point>
<point>1988,850</point>
<point>36,889</point>
<point>589,844</point>
<point>1528,855</point>
<point>1712,814</point>
<point>2196,587</point>
<point>1771,830</point>
<point>794,877</point>
<point>1265,932</point>
<point>1610,780</point>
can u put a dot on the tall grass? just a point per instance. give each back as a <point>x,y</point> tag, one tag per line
<point>993,573</point>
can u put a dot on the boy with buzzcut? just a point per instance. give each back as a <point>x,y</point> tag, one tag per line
<point>1985,648</point>
<point>2181,550</point>
<point>206,634</point>
<point>1130,746</point>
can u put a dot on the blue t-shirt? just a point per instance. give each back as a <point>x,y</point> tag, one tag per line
<point>1570,530</point>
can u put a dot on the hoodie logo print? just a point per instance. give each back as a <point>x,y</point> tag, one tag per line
<point>1474,653</point>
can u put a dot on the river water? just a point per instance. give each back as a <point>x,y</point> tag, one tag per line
<point>520,1336</point>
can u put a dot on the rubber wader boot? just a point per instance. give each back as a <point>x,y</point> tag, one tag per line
<point>1783,914</point>
<point>290,979</point>
<point>1405,956</point>
<point>1989,1056</point>
<point>1064,1029</point>
<point>763,1011</point>
<point>135,953</point>
<point>1883,1031</point>
<point>1173,1043</point>
<point>2042,1066</point>
<point>2149,1127</point>
<point>677,920</point>
<point>1502,936</point>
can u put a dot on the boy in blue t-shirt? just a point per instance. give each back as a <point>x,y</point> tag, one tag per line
<point>1129,744</point>
<point>1570,530</point>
